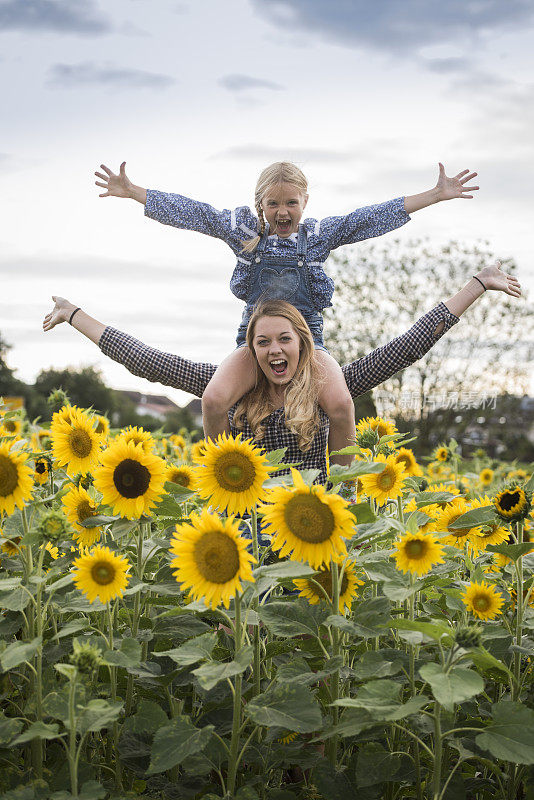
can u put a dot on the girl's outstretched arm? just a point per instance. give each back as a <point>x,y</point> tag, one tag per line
<point>489,278</point>
<point>119,185</point>
<point>445,189</point>
<point>63,311</point>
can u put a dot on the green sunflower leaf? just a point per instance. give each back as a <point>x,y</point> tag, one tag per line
<point>37,730</point>
<point>478,516</point>
<point>452,686</point>
<point>381,699</point>
<point>510,734</point>
<point>435,630</point>
<point>513,551</point>
<point>175,741</point>
<point>19,652</point>
<point>211,673</point>
<point>193,650</point>
<point>287,706</point>
<point>129,654</point>
<point>295,618</point>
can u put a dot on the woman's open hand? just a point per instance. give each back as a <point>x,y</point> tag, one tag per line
<point>115,185</point>
<point>60,313</point>
<point>494,278</point>
<point>450,188</point>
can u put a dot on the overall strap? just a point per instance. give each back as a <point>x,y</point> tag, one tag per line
<point>263,241</point>
<point>302,242</point>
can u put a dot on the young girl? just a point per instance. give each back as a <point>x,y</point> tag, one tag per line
<point>278,257</point>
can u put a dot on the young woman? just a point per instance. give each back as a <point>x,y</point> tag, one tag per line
<point>282,409</point>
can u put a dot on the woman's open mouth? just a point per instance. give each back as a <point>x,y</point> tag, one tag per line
<point>284,226</point>
<point>279,366</point>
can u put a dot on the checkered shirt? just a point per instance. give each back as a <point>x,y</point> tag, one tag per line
<point>361,375</point>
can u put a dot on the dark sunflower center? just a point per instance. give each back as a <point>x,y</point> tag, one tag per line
<point>416,549</point>
<point>10,426</point>
<point>324,577</point>
<point>102,572</point>
<point>404,460</point>
<point>385,480</point>
<point>309,519</point>
<point>100,427</point>
<point>216,557</point>
<point>181,478</point>
<point>80,443</point>
<point>481,602</point>
<point>9,476</point>
<point>510,500</point>
<point>41,467</point>
<point>234,472</point>
<point>131,478</point>
<point>458,532</point>
<point>84,510</point>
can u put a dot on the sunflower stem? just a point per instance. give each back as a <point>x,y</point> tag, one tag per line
<point>519,617</point>
<point>113,739</point>
<point>136,613</point>
<point>71,752</point>
<point>416,756</point>
<point>236,722</point>
<point>334,682</point>
<point>438,751</point>
<point>257,660</point>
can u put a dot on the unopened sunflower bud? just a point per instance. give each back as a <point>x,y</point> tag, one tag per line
<point>468,636</point>
<point>86,658</point>
<point>368,438</point>
<point>86,481</point>
<point>53,526</point>
<point>57,399</point>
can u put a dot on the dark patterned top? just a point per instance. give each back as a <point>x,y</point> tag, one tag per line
<point>361,375</point>
<point>237,225</point>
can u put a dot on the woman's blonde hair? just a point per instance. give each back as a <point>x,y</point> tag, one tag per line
<point>275,174</point>
<point>301,398</point>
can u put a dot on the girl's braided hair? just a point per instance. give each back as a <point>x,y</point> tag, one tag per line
<point>275,174</point>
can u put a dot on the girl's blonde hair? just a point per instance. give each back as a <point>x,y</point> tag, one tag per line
<point>301,398</point>
<point>275,174</point>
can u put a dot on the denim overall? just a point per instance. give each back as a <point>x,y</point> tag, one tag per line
<point>275,277</point>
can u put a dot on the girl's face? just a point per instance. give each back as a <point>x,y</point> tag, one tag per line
<point>277,347</point>
<point>283,205</point>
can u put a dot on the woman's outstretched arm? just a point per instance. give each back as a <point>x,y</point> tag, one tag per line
<point>369,371</point>
<point>138,358</point>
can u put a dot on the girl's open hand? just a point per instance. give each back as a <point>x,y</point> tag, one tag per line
<point>115,185</point>
<point>60,313</point>
<point>450,188</point>
<point>494,278</point>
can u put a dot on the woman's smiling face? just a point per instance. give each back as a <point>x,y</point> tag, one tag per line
<point>277,348</point>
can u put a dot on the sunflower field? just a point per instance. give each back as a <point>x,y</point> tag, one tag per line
<point>201,620</point>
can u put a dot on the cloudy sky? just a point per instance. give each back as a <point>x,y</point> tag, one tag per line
<point>197,97</point>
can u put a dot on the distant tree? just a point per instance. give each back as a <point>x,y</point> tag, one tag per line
<point>382,289</point>
<point>84,387</point>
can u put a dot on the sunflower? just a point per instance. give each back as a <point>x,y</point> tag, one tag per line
<point>101,573</point>
<point>457,536</point>
<point>232,473</point>
<point>13,546</point>
<point>198,450</point>
<point>178,441</point>
<point>483,600</point>
<point>75,444</point>
<point>102,426</point>
<point>41,471</point>
<point>287,737</point>
<point>137,436</point>
<point>512,503</point>
<point>437,472</point>
<point>307,522</point>
<point>347,589</point>
<point>52,549</point>
<point>442,487</point>
<point>417,552</point>
<point>406,457</point>
<point>517,475</point>
<point>387,484</point>
<point>490,532</point>
<point>182,474</point>
<point>11,426</point>
<point>442,454</point>
<point>383,427</point>
<point>16,484</point>
<point>486,476</point>
<point>432,511</point>
<point>64,414</point>
<point>79,506</point>
<point>211,558</point>
<point>130,479</point>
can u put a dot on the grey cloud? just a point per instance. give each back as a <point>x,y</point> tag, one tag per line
<point>447,66</point>
<point>265,153</point>
<point>62,16</point>
<point>242,83</point>
<point>397,27</point>
<point>88,72</point>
